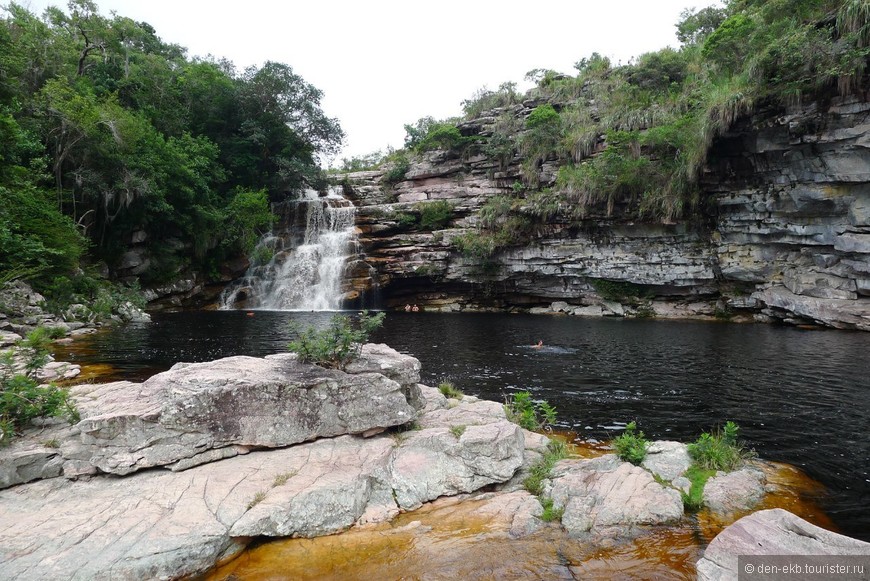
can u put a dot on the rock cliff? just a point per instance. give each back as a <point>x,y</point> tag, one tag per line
<point>784,232</point>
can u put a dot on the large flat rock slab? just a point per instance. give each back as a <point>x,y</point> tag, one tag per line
<point>771,532</point>
<point>160,524</point>
<point>202,412</point>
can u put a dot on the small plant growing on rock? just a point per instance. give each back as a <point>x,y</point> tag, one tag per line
<point>719,449</point>
<point>540,470</point>
<point>449,390</point>
<point>281,479</point>
<point>258,498</point>
<point>337,345</point>
<point>400,164</point>
<point>693,501</point>
<point>550,513</point>
<point>435,214</point>
<point>631,445</point>
<point>22,398</point>
<point>529,414</point>
<point>457,431</point>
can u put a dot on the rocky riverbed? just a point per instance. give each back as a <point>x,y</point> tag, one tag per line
<point>166,478</point>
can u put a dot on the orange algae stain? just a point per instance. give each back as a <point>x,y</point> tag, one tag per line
<point>585,449</point>
<point>464,538</point>
<point>665,553</point>
<point>788,488</point>
<point>92,372</point>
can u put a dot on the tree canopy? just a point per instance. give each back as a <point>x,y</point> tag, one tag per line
<point>106,130</point>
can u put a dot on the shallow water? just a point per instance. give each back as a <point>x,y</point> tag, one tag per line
<point>800,397</point>
<point>451,540</point>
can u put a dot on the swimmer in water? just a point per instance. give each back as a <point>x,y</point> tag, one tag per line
<point>539,345</point>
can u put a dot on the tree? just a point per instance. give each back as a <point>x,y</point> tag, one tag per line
<point>696,25</point>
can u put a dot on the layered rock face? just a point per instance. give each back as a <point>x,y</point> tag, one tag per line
<point>786,234</point>
<point>793,192</point>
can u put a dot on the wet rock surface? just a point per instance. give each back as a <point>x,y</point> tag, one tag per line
<point>771,532</point>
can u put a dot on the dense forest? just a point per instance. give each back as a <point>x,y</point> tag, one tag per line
<point>109,135</point>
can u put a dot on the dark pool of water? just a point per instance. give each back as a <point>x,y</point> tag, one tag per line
<point>801,397</point>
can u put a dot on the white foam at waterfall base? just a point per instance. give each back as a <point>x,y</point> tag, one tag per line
<point>307,277</point>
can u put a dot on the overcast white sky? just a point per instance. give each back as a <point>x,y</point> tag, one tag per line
<point>383,63</point>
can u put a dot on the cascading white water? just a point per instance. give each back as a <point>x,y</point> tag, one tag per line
<point>288,274</point>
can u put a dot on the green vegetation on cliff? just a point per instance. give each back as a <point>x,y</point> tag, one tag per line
<point>109,135</point>
<point>630,142</point>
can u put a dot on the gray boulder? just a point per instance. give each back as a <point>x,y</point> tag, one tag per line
<point>608,497</point>
<point>771,532</point>
<point>731,492</point>
<point>438,462</point>
<point>666,459</point>
<point>180,417</point>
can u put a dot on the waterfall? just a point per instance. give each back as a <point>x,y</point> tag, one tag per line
<point>289,272</point>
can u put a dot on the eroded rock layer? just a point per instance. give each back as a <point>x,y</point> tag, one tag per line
<point>783,232</point>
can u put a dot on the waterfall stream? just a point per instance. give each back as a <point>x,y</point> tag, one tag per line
<point>293,273</point>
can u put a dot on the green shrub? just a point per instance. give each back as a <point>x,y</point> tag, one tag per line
<point>22,398</point>
<point>262,255</point>
<point>530,414</point>
<point>540,141</point>
<point>631,445</point>
<point>448,390</point>
<point>541,116</point>
<point>434,215</point>
<point>245,219</point>
<point>399,166</point>
<point>720,449</point>
<point>550,513</point>
<point>658,70</point>
<point>541,470</point>
<point>694,499</point>
<point>444,136</point>
<point>485,100</point>
<point>644,311</point>
<point>502,224</point>
<point>457,431</point>
<point>37,242</point>
<point>104,297</point>
<point>365,162</point>
<point>338,344</point>
<point>405,220</point>
<point>616,290</point>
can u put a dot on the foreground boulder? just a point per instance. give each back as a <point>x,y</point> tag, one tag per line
<point>202,412</point>
<point>159,524</point>
<point>732,492</point>
<point>608,497</point>
<point>771,532</point>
